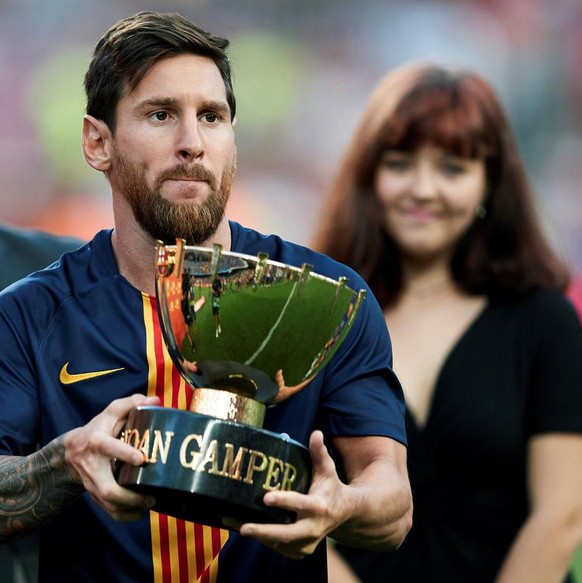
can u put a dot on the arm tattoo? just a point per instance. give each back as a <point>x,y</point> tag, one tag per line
<point>34,489</point>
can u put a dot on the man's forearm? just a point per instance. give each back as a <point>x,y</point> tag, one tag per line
<point>381,521</point>
<point>34,489</point>
<point>379,501</point>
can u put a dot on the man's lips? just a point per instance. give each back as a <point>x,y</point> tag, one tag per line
<point>186,187</point>
<point>187,182</point>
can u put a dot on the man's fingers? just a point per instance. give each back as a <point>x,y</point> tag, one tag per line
<point>123,452</point>
<point>102,444</point>
<point>121,407</point>
<point>117,411</point>
<point>322,461</point>
<point>289,500</point>
<point>122,504</point>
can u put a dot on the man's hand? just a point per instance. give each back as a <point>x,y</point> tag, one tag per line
<point>320,511</point>
<point>373,510</point>
<point>89,455</point>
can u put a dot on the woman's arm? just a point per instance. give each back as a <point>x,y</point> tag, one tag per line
<point>543,550</point>
<point>338,569</point>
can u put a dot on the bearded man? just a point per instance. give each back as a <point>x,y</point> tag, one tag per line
<point>81,346</point>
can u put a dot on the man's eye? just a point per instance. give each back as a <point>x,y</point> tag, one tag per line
<point>160,115</point>
<point>211,117</point>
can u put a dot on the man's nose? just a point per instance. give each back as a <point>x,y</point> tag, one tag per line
<point>190,143</point>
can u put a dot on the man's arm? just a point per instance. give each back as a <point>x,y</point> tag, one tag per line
<point>380,500</point>
<point>36,488</point>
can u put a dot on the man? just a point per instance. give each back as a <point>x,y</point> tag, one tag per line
<point>159,124</point>
<point>23,251</point>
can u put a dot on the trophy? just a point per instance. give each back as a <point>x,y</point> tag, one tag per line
<point>246,333</point>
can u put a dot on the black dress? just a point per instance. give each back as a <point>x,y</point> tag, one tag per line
<point>516,372</point>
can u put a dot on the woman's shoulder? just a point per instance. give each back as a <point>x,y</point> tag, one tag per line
<point>537,298</point>
<point>539,308</point>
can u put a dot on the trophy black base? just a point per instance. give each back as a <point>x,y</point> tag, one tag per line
<point>203,469</point>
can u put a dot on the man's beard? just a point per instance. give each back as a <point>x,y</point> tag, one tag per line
<point>166,220</point>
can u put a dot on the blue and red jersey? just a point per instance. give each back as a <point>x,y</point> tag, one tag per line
<point>82,315</point>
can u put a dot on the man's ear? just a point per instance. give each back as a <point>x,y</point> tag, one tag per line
<point>97,143</point>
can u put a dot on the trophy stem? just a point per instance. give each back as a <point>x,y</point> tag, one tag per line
<point>229,406</point>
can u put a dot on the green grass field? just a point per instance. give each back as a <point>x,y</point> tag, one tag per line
<point>283,323</point>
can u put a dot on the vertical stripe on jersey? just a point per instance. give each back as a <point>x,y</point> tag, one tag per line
<point>182,552</point>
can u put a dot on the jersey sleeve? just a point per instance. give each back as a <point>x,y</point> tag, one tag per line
<point>362,395</point>
<point>555,399</point>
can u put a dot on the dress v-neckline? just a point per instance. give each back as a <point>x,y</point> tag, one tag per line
<point>422,428</point>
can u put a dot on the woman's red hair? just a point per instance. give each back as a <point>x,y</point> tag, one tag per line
<point>503,254</point>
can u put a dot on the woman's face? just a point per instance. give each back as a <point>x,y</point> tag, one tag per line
<point>428,199</point>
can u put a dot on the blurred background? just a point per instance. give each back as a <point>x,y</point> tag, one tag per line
<point>303,71</point>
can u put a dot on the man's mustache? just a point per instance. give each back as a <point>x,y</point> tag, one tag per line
<point>193,172</point>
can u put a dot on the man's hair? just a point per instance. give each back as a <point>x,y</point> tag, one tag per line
<point>127,51</point>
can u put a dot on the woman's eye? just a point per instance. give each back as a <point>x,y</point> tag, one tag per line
<point>395,163</point>
<point>453,168</point>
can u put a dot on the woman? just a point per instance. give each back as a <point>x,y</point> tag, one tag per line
<point>433,207</point>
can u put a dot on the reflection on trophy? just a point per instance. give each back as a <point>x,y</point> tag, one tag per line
<point>246,333</point>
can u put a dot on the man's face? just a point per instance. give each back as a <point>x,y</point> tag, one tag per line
<point>174,156</point>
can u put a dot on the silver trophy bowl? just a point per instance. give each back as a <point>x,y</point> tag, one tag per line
<point>246,333</point>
